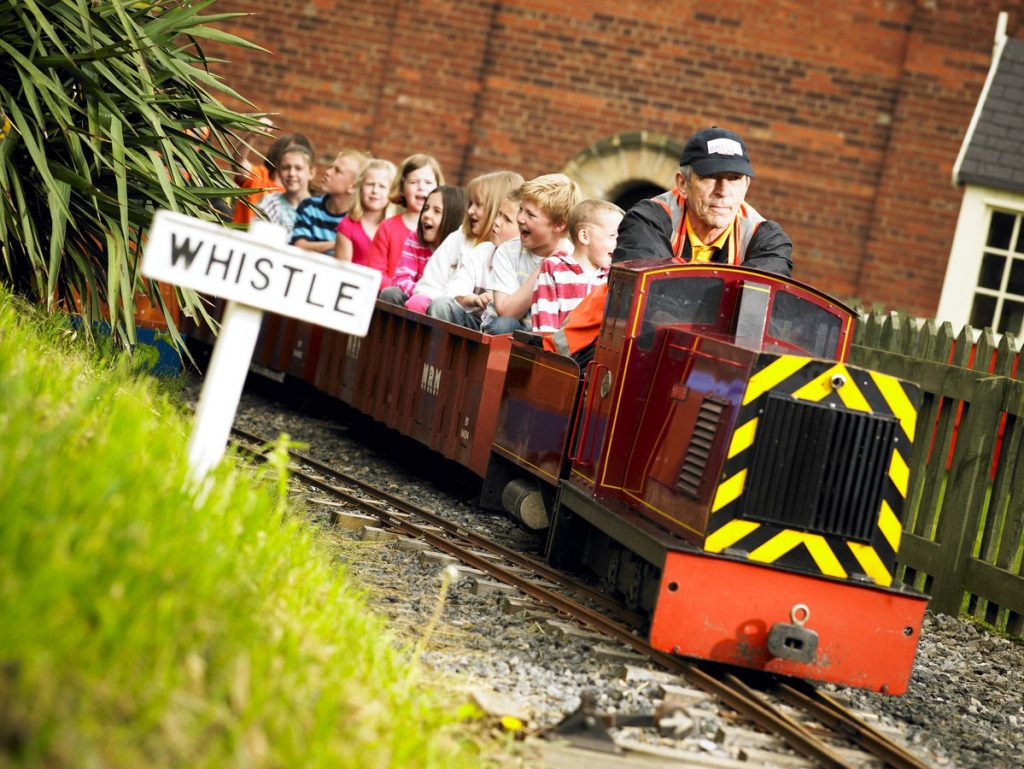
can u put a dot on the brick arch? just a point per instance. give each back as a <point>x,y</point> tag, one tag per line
<point>610,166</point>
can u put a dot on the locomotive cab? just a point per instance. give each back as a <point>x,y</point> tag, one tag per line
<point>751,311</point>
<point>685,337</point>
<point>745,430</point>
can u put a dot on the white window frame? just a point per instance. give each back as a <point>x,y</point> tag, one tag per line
<point>968,247</point>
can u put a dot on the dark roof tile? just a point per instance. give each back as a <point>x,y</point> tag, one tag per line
<point>995,156</point>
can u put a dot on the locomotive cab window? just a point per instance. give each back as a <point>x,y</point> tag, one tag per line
<point>694,301</point>
<point>617,311</point>
<point>797,323</point>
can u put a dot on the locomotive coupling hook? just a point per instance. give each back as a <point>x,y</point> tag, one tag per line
<point>791,640</point>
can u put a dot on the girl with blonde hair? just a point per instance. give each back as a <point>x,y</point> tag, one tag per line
<point>369,207</point>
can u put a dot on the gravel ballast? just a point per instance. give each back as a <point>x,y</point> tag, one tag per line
<point>964,707</point>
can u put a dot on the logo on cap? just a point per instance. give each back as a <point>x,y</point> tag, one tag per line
<point>724,147</point>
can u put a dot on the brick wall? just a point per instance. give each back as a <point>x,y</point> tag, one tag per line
<point>853,111</point>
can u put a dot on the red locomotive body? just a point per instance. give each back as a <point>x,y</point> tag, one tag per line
<point>732,477</point>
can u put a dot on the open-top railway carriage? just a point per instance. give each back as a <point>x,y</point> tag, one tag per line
<point>717,463</point>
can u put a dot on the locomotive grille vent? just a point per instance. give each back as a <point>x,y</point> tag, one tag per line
<point>819,469</point>
<point>696,459</point>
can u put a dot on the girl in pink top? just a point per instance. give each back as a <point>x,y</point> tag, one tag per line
<point>417,176</point>
<point>442,214</point>
<point>356,231</point>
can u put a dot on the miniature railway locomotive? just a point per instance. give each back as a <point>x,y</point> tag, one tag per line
<point>728,473</point>
<point>717,464</point>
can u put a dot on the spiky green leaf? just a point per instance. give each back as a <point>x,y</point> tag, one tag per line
<point>102,96</point>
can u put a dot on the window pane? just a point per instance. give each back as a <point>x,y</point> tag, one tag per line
<point>984,311</point>
<point>1020,241</point>
<point>620,302</point>
<point>682,300</point>
<point>1000,230</point>
<point>1016,284</point>
<point>991,274</point>
<point>806,325</point>
<point>1011,317</point>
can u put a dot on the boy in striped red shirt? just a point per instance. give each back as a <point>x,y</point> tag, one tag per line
<point>564,281</point>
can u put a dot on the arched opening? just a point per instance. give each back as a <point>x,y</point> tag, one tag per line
<point>631,193</point>
<point>626,168</point>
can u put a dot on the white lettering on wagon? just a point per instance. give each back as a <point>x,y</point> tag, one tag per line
<point>430,379</point>
<point>355,344</point>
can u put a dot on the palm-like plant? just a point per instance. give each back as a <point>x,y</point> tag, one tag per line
<point>107,112</point>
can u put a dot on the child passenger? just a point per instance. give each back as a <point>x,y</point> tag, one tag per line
<point>485,196</point>
<point>417,176</point>
<point>318,217</point>
<point>356,231</point>
<point>294,172</point>
<point>544,206</point>
<point>467,296</point>
<point>565,281</point>
<point>263,176</point>
<point>442,213</point>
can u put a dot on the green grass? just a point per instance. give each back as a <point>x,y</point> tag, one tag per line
<point>140,629</point>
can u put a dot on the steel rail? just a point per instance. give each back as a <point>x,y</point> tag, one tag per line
<point>796,736</point>
<point>824,708</point>
<point>539,568</point>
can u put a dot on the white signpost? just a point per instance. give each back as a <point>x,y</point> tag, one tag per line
<point>255,271</point>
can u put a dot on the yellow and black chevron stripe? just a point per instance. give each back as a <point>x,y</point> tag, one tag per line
<point>867,405</point>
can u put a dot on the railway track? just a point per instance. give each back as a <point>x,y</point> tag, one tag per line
<point>819,733</point>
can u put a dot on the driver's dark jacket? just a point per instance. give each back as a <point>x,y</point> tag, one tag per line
<point>653,229</point>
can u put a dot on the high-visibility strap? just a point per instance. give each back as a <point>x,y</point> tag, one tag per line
<point>561,342</point>
<point>746,224</point>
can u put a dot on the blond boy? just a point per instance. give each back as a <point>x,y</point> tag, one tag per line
<point>543,219</point>
<point>317,218</point>
<point>565,281</point>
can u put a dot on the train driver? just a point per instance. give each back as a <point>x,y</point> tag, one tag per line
<point>703,219</point>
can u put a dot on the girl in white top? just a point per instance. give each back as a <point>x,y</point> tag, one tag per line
<point>466,296</point>
<point>486,194</point>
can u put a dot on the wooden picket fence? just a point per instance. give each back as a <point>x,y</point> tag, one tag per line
<point>964,519</point>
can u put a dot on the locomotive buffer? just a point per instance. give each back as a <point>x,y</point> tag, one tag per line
<point>255,271</point>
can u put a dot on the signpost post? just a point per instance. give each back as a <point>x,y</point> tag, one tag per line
<point>254,271</point>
